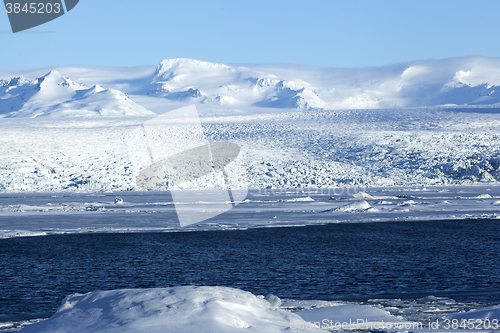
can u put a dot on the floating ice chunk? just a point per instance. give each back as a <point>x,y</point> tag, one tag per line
<point>434,299</point>
<point>484,196</point>
<point>29,208</point>
<point>4,326</point>
<point>306,199</point>
<point>295,304</point>
<point>357,206</point>
<point>363,195</point>
<point>275,301</point>
<point>21,233</point>
<point>383,181</point>
<point>407,203</point>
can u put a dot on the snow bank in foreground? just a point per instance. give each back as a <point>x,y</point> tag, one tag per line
<point>222,309</point>
<point>178,309</point>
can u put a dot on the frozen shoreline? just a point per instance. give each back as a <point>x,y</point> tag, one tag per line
<point>38,214</point>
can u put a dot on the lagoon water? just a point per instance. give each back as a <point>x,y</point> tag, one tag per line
<point>355,262</point>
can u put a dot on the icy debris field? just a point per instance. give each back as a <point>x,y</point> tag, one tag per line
<point>36,214</point>
<point>279,149</point>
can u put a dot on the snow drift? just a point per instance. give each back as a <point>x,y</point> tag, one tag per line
<point>178,309</point>
<point>193,309</point>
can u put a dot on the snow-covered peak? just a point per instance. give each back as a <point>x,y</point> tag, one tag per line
<point>420,83</point>
<point>464,94</point>
<point>197,81</point>
<point>96,88</point>
<point>53,79</point>
<point>52,76</point>
<point>83,93</point>
<point>55,95</point>
<point>14,82</point>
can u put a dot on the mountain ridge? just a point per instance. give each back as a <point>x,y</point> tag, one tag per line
<point>467,82</point>
<point>54,95</point>
<point>457,81</point>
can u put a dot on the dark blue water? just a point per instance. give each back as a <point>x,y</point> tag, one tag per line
<point>457,259</point>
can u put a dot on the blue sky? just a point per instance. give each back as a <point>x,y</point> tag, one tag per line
<point>314,32</point>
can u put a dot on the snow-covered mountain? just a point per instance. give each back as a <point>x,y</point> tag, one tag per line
<point>199,81</point>
<point>457,82</point>
<point>54,95</point>
<point>461,81</point>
